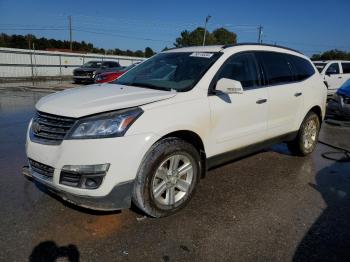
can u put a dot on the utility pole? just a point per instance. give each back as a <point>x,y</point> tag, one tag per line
<point>31,57</point>
<point>260,33</point>
<point>70,32</point>
<point>205,27</point>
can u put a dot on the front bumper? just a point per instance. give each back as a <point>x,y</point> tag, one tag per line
<point>124,154</point>
<point>84,78</point>
<point>118,198</point>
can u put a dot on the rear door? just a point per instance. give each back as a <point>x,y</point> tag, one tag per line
<point>285,96</point>
<point>239,120</point>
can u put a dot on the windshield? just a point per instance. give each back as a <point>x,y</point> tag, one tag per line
<point>170,71</point>
<point>320,66</point>
<point>93,64</point>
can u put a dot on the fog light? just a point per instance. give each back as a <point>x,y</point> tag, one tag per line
<point>83,176</point>
<point>93,182</point>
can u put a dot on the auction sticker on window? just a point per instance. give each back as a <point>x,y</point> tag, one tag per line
<point>202,55</point>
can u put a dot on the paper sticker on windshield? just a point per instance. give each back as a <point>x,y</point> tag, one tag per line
<point>202,55</point>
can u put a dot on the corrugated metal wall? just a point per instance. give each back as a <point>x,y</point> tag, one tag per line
<point>28,63</point>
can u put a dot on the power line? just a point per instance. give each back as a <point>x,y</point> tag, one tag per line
<point>123,36</point>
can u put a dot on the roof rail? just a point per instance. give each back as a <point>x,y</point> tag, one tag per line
<point>283,47</point>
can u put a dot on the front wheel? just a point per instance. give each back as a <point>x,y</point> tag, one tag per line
<point>307,138</point>
<point>167,177</point>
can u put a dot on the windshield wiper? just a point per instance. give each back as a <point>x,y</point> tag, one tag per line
<point>150,86</point>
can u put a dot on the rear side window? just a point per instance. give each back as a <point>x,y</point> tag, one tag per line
<point>302,68</point>
<point>243,68</point>
<point>346,68</point>
<point>276,68</point>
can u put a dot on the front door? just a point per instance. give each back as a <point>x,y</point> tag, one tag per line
<point>333,77</point>
<point>239,120</point>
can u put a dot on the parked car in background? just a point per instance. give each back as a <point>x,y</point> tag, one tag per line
<point>150,136</point>
<point>107,77</point>
<point>87,72</point>
<point>339,105</point>
<point>334,72</point>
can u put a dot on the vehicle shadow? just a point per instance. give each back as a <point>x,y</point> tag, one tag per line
<point>48,251</point>
<point>328,239</point>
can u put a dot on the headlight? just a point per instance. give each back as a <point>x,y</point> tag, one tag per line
<point>105,125</point>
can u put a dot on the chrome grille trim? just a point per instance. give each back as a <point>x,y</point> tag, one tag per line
<point>50,129</point>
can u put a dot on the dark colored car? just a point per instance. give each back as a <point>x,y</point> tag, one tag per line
<point>339,104</point>
<point>89,70</point>
<point>107,77</point>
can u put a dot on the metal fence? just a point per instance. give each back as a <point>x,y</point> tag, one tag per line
<point>22,63</point>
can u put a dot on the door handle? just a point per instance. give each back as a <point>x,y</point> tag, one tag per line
<point>261,101</point>
<point>340,77</point>
<point>298,94</point>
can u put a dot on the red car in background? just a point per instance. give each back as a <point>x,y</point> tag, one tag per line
<point>107,77</point>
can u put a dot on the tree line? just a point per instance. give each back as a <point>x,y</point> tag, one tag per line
<point>186,38</point>
<point>29,41</point>
<point>220,36</point>
<point>333,54</point>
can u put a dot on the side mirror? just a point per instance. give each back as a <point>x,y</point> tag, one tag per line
<point>229,86</point>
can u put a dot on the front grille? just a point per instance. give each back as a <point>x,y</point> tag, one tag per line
<point>44,170</point>
<point>50,129</point>
<point>81,73</point>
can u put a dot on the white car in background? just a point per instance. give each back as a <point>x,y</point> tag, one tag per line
<point>334,72</point>
<point>149,137</point>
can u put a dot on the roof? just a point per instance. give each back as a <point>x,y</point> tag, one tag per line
<point>218,48</point>
<point>207,48</point>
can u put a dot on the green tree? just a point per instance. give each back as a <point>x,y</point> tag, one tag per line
<point>195,38</point>
<point>334,54</point>
<point>224,37</point>
<point>149,52</point>
<point>139,53</point>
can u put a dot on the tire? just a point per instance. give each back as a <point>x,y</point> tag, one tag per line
<point>307,137</point>
<point>159,192</point>
<point>77,81</point>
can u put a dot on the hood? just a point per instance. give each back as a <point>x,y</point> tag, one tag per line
<point>345,89</point>
<point>88,100</point>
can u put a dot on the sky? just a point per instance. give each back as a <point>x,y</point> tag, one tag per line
<point>306,25</point>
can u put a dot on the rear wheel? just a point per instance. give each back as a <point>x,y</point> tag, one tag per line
<point>307,137</point>
<point>167,177</point>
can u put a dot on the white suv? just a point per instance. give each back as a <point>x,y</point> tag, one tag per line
<point>334,72</point>
<point>150,136</point>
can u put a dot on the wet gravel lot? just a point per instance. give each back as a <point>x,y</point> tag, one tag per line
<point>270,206</point>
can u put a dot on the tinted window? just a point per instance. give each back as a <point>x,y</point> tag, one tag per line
<point>302,68</point>
<point>346,68</point>
<point>333,69</point>
<point>241,67</point>
<point>276,68</point>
